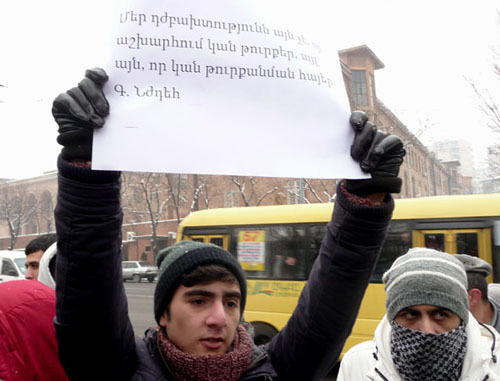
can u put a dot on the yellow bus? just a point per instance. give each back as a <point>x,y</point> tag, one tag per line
<point>276,246</point>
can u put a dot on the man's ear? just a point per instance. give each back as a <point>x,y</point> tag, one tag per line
<point>474,296</point>
<point>164,319</point>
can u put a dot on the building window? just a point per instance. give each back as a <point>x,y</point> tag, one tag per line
<point>183,181</point>
<point>358,88</point>
<point>229,199</point>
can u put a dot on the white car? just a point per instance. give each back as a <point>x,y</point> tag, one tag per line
<point>137,270</point>
<point>12,265</point>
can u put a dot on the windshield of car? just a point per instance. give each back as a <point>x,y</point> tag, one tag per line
<point>145,264</point>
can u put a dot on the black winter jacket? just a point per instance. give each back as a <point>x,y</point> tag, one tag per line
<point>95,335</point>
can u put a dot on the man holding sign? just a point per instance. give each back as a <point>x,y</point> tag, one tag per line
<point>201,291</point>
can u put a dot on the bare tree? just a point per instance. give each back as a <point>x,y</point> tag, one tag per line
<point>146,196</point>
<point>491,109</point>
<point>200,192</point>
<point>1,100</point>
<point>177,190</point>
<point>46,212</point>
<point>323,190</point>
<point>294,192</point>
<point>493,161</point>
<point>247,189</point>
<point>16,210</point>
<point>409,140</point>
<point>488,106</point>
<point>319,190</point>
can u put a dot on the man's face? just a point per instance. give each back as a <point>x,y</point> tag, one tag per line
<point>203,318</point>
<point>32,265</point>
<point>429,319</point>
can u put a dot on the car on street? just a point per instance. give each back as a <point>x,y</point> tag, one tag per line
<point>12,265</point>
<point>138,270</point>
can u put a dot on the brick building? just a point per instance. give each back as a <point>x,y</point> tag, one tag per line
<point>154,204</point>
<point>26,209</point>
<point>422,173</point>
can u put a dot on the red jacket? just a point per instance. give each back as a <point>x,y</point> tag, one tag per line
<point>28,346</point>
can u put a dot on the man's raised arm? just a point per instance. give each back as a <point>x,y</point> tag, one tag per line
<point>311,342</point>
<point>95,336</point>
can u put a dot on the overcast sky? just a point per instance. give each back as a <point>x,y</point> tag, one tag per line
<point>428,48</point>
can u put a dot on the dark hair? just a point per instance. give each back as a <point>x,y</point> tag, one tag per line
<point>476,280</point>
<point>206,274</point>
<point>42,242</point>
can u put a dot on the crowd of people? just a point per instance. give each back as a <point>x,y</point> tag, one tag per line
<point>441,320</point>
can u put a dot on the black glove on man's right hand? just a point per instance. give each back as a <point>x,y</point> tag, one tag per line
<point>378,153</point>
<point>78,112</point>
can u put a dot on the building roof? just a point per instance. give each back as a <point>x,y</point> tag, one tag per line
<point>452,163</point>
<point>378,64</point>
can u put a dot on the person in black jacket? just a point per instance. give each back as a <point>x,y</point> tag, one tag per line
<point>201,292</point>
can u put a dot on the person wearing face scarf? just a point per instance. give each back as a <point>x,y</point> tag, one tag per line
<point>428,332</point>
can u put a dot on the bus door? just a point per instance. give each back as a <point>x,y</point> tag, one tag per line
<point>475,242</point>
<point>221,240</point>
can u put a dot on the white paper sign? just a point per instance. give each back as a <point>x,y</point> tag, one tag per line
<point>223,87</point>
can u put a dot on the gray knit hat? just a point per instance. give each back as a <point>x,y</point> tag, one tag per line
<point>426,276</point>
<point>182,258</point>
<point>474,264</point>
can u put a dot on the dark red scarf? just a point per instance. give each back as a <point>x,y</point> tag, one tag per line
<point>219,367</point>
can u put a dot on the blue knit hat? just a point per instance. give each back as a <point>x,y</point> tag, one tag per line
<point>183,257</point>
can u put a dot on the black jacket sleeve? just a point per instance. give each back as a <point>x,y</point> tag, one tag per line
<point>94,332</point>
<point>311,342</point>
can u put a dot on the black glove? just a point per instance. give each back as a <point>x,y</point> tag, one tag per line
<point>77,112</point>
<point>378,153</point>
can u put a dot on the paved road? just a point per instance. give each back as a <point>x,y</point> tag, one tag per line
<point>140,305</point>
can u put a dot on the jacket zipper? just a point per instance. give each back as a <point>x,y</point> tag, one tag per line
<point>381,375</point>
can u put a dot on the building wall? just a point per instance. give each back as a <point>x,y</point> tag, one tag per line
<point>460,150</point>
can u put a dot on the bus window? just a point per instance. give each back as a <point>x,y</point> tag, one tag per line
<point>251,248</point>
<point>272,252</point>
<point>316,234</point>
<point>467,244</point>
<point>475,242</point>
<point>288,253</point>
<point>217,241</point>
<point>495,251</point>
<point>435,241</point>
<point>396,244</point>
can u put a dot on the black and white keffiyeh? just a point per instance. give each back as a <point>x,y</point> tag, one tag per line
<point>420,356</point>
